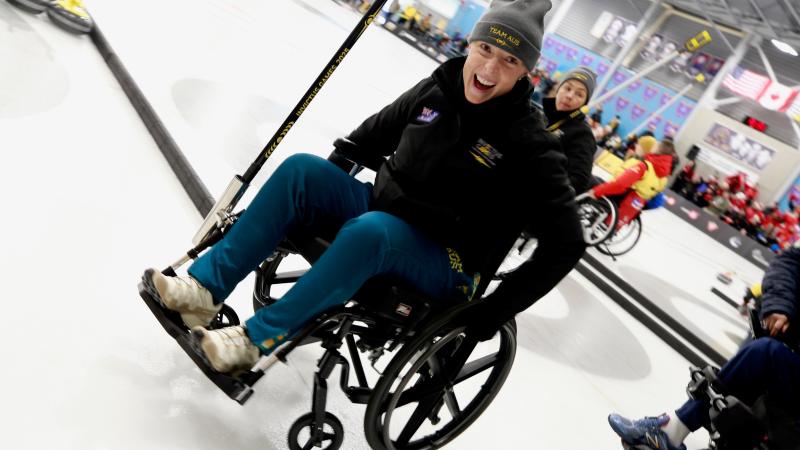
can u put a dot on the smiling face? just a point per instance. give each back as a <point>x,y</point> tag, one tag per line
<point>490,72</point>
<point>571,95</point>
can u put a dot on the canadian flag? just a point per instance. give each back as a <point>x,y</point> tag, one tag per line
<point>777,97</point>
<point>794,110</point>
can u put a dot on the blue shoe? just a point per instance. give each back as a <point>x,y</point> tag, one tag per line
<point>642,434</point>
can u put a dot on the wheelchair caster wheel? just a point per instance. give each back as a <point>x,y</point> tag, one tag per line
<point>332,431</point>
<point>226,317</point>
<point>31,6</point>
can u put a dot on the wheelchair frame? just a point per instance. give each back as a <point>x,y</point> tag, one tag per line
<point>735,426</point>
<point>401,317</point>
<point>411,323</point>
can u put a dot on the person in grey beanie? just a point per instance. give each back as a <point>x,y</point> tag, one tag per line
<point>566,120</point>
<point>454,156</point>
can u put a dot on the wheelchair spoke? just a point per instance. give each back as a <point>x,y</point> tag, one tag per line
<point>309,445</point>
<point>452,403</point>
<point>416,420</point>
<point>423,388</point>
<point>419,392</point>
<point>473,368</point>
<point>449,395</point>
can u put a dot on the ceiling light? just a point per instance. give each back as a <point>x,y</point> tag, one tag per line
<point>784,47</point>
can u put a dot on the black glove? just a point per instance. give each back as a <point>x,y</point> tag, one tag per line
<point>341,161</point>
<point>354,153</point>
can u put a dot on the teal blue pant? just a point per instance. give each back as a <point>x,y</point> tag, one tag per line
<point>310,193</point>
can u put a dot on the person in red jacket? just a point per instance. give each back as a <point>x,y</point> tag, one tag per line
<point>737,182</point>
<point>639,182</point>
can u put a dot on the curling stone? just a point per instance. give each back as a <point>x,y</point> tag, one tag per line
<point>725,277</point>
<point>71,16</point>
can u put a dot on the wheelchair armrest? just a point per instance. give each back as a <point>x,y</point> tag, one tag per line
<point>756,328</point>
<point>347,153</point>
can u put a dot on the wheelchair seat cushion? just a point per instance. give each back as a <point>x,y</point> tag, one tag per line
<point>388,297</point>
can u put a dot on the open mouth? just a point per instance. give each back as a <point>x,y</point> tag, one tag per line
<point>482,84</point>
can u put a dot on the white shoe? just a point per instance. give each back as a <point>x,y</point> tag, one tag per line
<point>187,297</point>
<point>228,349</point>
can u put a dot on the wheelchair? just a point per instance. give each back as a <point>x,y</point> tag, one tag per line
<point>737,426</point>
<point>440,376</point>
<point>599,219</point>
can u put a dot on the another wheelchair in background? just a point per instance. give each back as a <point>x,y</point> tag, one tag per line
<point>736,426</point>
<point>601,228</point>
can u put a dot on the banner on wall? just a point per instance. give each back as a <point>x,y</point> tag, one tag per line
<point>698,64</point>
<point>792,196</point>
<point>724,166</point>
<point>718,230</point>
<point>739,146</point>
<point>615,29</point>
<point>601,24</point>
<point>634,104</point>
<point>713,67</point>
<point>652,50</point>
<point>679,64</point>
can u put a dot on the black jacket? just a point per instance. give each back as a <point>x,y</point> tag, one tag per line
<point>577,142</point>
<point>458,172</point>
<point>781,286</point>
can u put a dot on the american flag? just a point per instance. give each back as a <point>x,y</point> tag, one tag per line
<point>746,83</point>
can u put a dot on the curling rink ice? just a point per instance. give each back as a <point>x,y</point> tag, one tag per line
<point>90,203</point>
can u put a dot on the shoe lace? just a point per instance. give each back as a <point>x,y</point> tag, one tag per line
<point>650,423</point>
<point>187,282</point>
<point>235,336</point>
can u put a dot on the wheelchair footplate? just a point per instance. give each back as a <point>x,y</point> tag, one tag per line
<point>170,320</point>
<point>237,388</point>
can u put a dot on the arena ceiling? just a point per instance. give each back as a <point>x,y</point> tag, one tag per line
<point>772,19</point>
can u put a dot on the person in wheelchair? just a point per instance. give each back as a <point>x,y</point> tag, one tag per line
<point>640,181</point>
<point>567,121</point>
<point>768,365</point>
<point>462,149</point>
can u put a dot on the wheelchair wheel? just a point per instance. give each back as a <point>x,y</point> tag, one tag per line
<point>226,317</point>
<point>270,283</point>
<point>623,240</point>
<point>436,386</point>
<point>332,431</point>
<point>598,219</point>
